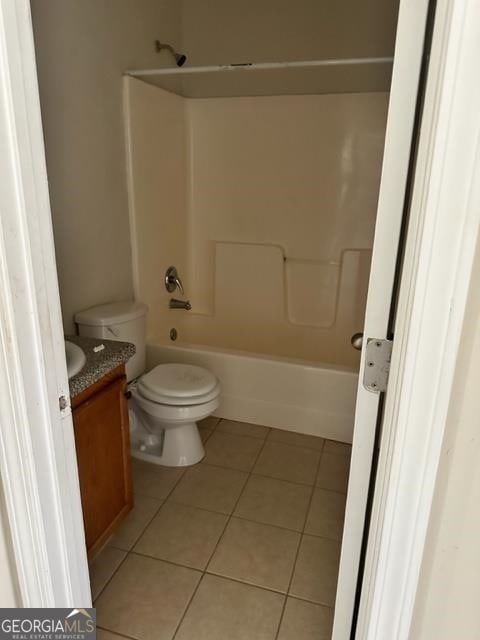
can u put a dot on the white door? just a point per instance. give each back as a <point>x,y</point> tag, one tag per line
<point>409,49</point>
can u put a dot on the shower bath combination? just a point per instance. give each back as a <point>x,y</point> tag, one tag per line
<point>236,133</point>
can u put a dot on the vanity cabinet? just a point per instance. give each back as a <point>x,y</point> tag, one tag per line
<point>100,418</point>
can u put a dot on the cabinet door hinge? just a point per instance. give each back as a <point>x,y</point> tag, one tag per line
<point>378,354</point>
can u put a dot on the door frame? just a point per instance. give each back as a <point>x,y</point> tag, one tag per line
<point>413,19</point>
<point>41,495</point>
<point>37,453</point>
<point>439,256</point>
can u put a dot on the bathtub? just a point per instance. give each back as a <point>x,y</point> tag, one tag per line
<point>301,396</point>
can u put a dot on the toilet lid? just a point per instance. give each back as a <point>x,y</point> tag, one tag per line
<point>178,384</point>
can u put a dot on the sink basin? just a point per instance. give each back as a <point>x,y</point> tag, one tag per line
<point>75,358</point>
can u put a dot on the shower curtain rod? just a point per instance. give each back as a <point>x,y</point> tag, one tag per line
<point>257,66</point>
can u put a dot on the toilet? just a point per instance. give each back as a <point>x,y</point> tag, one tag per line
<point>166,402</point>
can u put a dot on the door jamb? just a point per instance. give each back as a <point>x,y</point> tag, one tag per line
<point>37,449</point>
<point>439,256</point>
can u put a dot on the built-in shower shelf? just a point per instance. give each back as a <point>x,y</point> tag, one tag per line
<point>311,77</point>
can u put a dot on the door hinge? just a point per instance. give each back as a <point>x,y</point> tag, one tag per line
<point>378,354</point>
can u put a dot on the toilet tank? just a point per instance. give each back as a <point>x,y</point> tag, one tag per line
<point>125,321</point>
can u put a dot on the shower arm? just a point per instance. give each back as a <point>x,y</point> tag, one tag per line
<point>159,46</point>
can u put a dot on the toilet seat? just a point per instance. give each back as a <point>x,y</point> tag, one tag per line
<point>178,385</point>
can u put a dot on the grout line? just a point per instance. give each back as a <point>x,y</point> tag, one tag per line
<point>187,504</point>
<point>171,562</point>
<point>300,484</point>
<point>245,435</point>
<point>266,524</point>
<point>339,493</point>
<point>255,473</point>
<point>319,604</point>
<point>298,446</point>
<point>139,536</point>
<point>205,571</point>
<point>305,520</point>
<point>269,589</point>
<point>158,510</point>
<point>231,515</point>
<point>123,635</point>
<point>246,582</point>
<point>187,607</point>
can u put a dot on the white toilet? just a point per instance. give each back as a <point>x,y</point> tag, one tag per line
<point>165,403</point>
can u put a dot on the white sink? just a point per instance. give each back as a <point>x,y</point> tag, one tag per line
<point>75,358</point>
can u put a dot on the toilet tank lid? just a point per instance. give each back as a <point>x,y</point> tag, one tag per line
<point>113,313</point>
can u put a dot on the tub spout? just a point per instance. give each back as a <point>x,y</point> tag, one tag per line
<point>180,304</point>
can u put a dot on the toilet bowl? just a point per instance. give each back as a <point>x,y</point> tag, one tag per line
<point>167,401</point>
<point>165,405</point>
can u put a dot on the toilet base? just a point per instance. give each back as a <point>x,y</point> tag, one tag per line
<point>182,446</point>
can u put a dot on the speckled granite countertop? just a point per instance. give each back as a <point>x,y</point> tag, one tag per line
<point>99,363</point>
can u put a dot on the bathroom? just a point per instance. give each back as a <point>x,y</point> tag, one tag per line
<point>260,186</point>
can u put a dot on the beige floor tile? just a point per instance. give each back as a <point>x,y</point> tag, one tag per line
<point>103,567</point>
<point>103,634</point>
<point>338,448</point>
<point>136,521</point>
<point>256,553</point>
<point>184,535</point>
<point>204,433</point>
<point>333,472</point>
<point>326,515</point>
<point>286,462</point>
<point>226,610</point>
<point>316,570</point>
<point>212,488</point>
<point>243,429</point>
<point>234,452</point>
<point>306,621</point>
<point>153,480</point>
<point>296,439</point>
<point>209,423</point>
<point>276,502</point>
<point>146,598</point>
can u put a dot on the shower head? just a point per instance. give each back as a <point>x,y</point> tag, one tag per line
<point>180,58</point>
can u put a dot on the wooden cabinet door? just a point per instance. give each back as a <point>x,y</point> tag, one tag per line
<point>103,455</point>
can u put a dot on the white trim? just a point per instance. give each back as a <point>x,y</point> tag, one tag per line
<point>398,136</point>
<point>37,453</point>
<point>444,227</point>
<point>257,66</point>
<point>132,218</point>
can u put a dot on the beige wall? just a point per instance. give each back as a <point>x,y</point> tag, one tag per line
<point>447,604</point>
<point>226,31</point>
<point>158,184</point>
<point>274,237</point>
<point>83,46</point>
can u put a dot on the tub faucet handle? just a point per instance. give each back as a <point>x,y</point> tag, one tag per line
<point>172,281</point>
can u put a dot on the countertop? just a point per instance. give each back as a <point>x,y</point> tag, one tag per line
<point>99,363</point>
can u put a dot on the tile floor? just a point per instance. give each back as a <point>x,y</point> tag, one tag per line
<point>243,546</point>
